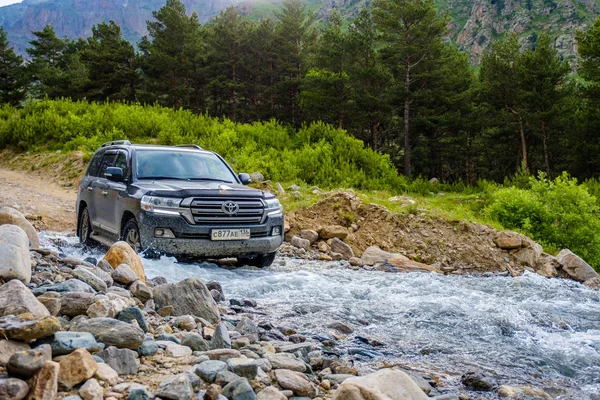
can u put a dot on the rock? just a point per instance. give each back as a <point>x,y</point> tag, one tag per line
<point>159,280</point>
<point>529,255</point>
<point>341,327</point>
<point>185,323</point>
<point>220,339</point>
<point>25,364</point>
<point>16,298</point>
<point>270,393</point>
<point>15,260</point>
<point>224,377</point>
<point>44,385</point>
<point>13,389</point>
<point>402,264</point>
<point>337,246</point>
<point>222,354</point>
<point>148,348</point>
<point>385,384</point>
<point>174,350</point>
<point>309,235</point>
<point>10,216</point>
<point>76,303</point>
<point>524,391</point>
<point>295,381</point>
<point>106,374</point>
<point>247,327</point>
<point>123,361</point>
<point>10,347</point>
<point>593,283</point>
<point>66,342</point>
<point>244,367</point>
<point>355,261</point>
<point>190,296</point>
<point>300,243</point>
<point>102,308</point>
<point>477,381</point>
<point>124,274</point>
<point>208,370</point>
<point>165,311</point>
<point>76,368</point>
<point>122,253</point>
<point>239,389</point>
<point>575,267</point>
<point>138,394</point>
<point>292,348</point>
<point>111,332</point>
<point>286,361</point>
<point>119,291</point>
<point>257,177</point>
<point>240,343</point>
<point>26,329</point>
<point>51,300</point>
<point>333,231</point>
<point>404,200</point>
<point>133,313</point>
<point>166,336</point>
<point>72,285</point>
<point>104,275</point>
<point>91,390</point>
<point>373,255</point>
<point>141,291</point>
<point>85,275</point>
<point>176,387</point>
<point>508,240</point>
<point>195,342</point>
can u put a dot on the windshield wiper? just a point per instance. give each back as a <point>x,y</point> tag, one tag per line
<point>209,179</point>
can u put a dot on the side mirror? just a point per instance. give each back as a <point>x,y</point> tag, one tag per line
<point>244,178</point>
<point>114,174</point>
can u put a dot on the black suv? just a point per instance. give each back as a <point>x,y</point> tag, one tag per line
<point>176,200</point>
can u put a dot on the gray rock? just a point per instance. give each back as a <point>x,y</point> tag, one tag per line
<point>102,308</point>
<point>66,342</point>
<point>73,304</point>
<point>477,381</point>
<point>12,217</point>
<point>310,235</point>
<point>16,298</point>
<point>74,397</point>
<point>10,347</point>
<point>190,296</point>
<point>104,266</point>
<point>208,370</point>
<point>448,396</point>
<point>292,348</point>
<point>244,367</point>
<point>214,285</point>
<point>257,177</point>
<point>138,394</point>
<point>85,275</point>
<point>141,291</point>
<point>338,246</point>
<point>295,381</point>
<point>575,267</point>
<point>124,274</point>
<point>102,274</point>
<point>170,338</point>
<point>338,378</point>
<point>123,361</point>
<point>76,285</point>
<point>176,387</point>
<point>247,327</point>
<point>25,364</point>
<point>133,313</point>
<point>51,300</point>
<point>111,332</point>
<point>159,280</point>
<point>294,188</point>
<point>15,260</point>
<point>195,342</point>
<point>286,361</point>
<point>173,349</point>
<point>385,383</point>
<point>13,389</point>
<point>220,339</point>
<point>148,348</point>
<point>300,243</point>
<point>239,389</point>
<point>224,377</point>
<point>341,327</point>
<point>120,291</point>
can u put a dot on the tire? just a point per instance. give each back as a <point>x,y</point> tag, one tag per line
<point>264,260</point>
<point>131,235</point>
<point>85,227</point>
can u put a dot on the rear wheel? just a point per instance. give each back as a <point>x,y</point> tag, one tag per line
<point>264,260</point>
<point>131,235</point>
<point>85,227</point>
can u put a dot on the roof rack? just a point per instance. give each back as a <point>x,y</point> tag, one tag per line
<point>116,142</point>
<point>195,146</point>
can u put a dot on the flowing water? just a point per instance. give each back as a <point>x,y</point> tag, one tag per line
<point>523,330</point>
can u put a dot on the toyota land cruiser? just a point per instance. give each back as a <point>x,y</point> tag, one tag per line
<point>176,200</point>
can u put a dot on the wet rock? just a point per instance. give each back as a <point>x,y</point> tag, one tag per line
<point>508,240</point>
<point>373,255</point>
<point>195,342</point>
<point>148,348</point>
<point>141,291</point>
<point>106,374</point>
<point>247,327</point>
<point>13,389</point>
<point>190,296</point>
<point>123,361</point>
<point>111,332</point>
<point>208,370</point>
<point>385,383</point>
<point>16,298</point>
<point>477,381</point>
<point>133,313</point>
<point>122,253</point>
<point>15,260</point>
<point>338,246</point>
<point>85,275</point>
<point>159,280</point>
<point>524,391</point>
<point>25,364</point>
<point>333,231</point>
<point>341,327</point>
<point>300,243</point>
<point>10,216</point>
<point>593,283</point>
<point>270,393</point>
<point>51,300</point>
<point>286,361</point>
<point>44,385</point>
<point>25,329</point>
<point>176,387</point>
<point>66,342</point>
<point>220,339</point>
<point>239,389</point>
<point>91,390</point>
<point>295,381</point>
<point>575,267</point>
<point>174,350</point>
<point>10,347</point>
<point>102,308</point>
<point>76,368</point>
<point>309,235</point>
<point>214,285</point>
<point>244,367</point>
<point>76,303</point>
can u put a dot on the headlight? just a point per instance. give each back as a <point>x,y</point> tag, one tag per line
<point>273,207</point>
<point>161,205</point>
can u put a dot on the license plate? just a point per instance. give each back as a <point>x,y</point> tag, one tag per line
<point>230,234</point>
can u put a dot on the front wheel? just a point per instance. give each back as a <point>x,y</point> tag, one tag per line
<point>264,260</point>
<point>85,227</point>
<point>131,235</point>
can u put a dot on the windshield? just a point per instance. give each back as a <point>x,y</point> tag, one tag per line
<point>161,164</point>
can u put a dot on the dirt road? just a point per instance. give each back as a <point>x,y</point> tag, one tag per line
<point>46,204</point>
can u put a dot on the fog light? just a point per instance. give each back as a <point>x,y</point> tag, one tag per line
<point>163,233</point>
<point>276,231</point>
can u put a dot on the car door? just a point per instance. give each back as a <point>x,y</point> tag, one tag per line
<point>103,206</point>
<point>117,190</point>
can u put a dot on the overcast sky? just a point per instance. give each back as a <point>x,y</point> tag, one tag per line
<point>7,2</point>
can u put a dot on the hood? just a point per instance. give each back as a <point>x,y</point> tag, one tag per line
<point>184,188</point>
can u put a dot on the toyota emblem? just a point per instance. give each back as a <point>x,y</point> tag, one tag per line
<point>230,208</point>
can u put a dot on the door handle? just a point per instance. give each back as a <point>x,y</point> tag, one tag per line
<point>89,188</point>
<point>104,193</point>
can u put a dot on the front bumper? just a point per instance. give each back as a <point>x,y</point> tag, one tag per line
<point>194,240</point>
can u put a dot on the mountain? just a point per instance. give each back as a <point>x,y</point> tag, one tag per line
<point>475,23</point>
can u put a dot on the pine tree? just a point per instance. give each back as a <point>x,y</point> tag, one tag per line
<point>12,73</point>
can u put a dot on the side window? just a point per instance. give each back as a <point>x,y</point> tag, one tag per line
<point>107,161</point>
<point>121,162</point>
<point>94,166</point>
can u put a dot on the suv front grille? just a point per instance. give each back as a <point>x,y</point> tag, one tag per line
<point>208,211</point>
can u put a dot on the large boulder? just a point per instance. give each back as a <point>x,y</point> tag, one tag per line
<point>190,296</point>
<point>508,240</point>
<point>16,298</point>
<point>10,216</point>
<point>15,261</point>
<point>122,253</point>
<point>575,267</point>
<point>111,332</point>
<point>374,255</point>
<point>338,246</point>
<point>331,231</point>
<point>384,384</point>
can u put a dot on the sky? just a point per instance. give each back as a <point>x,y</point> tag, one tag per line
<point>7,2</point>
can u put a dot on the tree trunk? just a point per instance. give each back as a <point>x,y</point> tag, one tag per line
<point>374,135</point>
<point>523,144</point>
<point>407,170</point>
<point>545,142</point>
